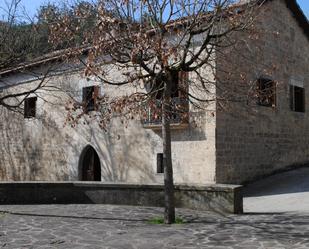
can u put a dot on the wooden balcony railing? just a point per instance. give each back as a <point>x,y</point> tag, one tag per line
<point>178,114</point>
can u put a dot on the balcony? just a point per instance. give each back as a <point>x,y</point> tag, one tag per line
<point>178,116</point>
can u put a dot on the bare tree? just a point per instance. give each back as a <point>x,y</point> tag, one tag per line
<point>26,53</point>
<point>14,49</point>
<point>154,45</point>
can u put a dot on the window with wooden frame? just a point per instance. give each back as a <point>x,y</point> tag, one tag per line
<point>297,98</point>
<point>266,92</point>
<point>30,107</point>
<point>158,89</point>
<point>90,95</point>
<point>180,97</point>
<point>180,86</point>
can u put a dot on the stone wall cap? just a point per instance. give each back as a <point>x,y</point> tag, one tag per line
<point>195,187</point>
<point>208,187</point>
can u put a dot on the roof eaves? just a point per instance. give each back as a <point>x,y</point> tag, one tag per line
<point>298,15</point>
<point>292,5</point>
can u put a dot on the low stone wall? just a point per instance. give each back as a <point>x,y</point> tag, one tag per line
<point>220,198</point>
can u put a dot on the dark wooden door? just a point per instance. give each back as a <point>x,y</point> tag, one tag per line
<point>91,170</point>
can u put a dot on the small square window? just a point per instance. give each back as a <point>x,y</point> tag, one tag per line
<point>266,92</point>
<point>89,97</point>
<point>30,107</point>
<point>297,98</point>
<point>160,164</point>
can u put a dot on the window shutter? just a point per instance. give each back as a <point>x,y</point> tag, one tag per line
<point>96,93</point>
<point>26,108</point>
<point>183,84</point>
<point>84,95</point>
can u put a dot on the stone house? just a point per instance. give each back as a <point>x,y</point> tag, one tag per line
<point>220,145</point>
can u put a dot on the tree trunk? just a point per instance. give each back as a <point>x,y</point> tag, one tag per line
<point>169,213</point>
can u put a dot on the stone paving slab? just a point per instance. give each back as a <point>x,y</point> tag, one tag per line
<point>108,226</point>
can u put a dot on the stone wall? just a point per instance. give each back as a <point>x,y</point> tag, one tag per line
<point>46,149</point>
<point>252,140</point>
<point>31,149</point>
<point>219,198</point>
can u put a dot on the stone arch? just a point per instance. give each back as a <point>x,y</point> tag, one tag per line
<point>89,166</point>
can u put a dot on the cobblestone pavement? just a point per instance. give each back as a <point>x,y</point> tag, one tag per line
<point>108,226</point>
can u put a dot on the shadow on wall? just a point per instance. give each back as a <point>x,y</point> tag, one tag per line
<point>39,149</point>
<point>29,150</point>
<point>196,130</point>
<point>124,158</point>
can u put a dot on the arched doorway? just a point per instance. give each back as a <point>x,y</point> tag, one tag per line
<point>89,164</point>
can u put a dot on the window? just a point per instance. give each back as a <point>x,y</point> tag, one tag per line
<point>266,92</point>
<point>179,108</point>
<point>30,107</point>
<point>175,86</point>
<point>179,88</point>
<point>160,164</point>
<point>158,89</point>
<point>297,98</point>
<point>90,95</point>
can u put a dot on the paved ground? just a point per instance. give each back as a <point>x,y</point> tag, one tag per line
<point>106,226</point>
<point>277,217</point>
<point>285,192</point>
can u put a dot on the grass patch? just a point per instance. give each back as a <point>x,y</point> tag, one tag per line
<point>159,220</point>
<point>179,220</point>
<point>156,221</point>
